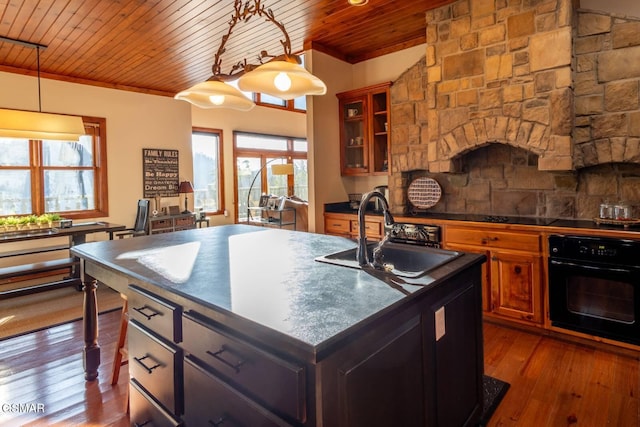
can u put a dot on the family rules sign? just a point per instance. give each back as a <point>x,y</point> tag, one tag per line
<point>160,169</point>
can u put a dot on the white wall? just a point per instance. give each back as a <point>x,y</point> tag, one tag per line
<point>134,121</point>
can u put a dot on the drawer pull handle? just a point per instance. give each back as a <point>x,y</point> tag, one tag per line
<point>142,424</point>
<point>148,369</point>
<point>141,310</point>
<point>217,423</point>
<point>218,355</point>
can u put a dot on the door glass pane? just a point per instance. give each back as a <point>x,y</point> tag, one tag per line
<point>278,184</point>
<point>246,170</point>
<point>206,168</point>
<point>68,190</point>
<point>301,179</point>
<point>15,192</point>
<point>68,153</point>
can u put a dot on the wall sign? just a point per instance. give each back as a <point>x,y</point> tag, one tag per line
<point>160,172</point>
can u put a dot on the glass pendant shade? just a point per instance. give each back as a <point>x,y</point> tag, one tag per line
<point>268,77</point>
<point>36,125</point>
<point>216,94</point>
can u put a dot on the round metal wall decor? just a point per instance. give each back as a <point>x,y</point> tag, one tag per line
<point>424,192</point>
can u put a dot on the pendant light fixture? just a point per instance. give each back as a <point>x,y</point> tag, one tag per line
<point>38,125</point>
<point>280,76</point>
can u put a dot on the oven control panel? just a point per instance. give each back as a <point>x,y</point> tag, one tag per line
<point>417,234</point>
<point>599,249</point>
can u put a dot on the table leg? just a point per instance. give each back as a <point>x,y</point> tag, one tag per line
<point>91,352</point>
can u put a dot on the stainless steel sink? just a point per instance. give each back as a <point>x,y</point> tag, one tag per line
<point>399,259</point>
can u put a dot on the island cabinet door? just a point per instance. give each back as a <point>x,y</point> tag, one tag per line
<point>376,381</point>
<point>454,361</point>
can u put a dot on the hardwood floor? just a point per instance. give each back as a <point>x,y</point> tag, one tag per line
<point>553,383</point>
<point>45,368</point>
<point>558,383</point>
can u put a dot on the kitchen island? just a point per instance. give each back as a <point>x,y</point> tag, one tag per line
<point>240,325</point>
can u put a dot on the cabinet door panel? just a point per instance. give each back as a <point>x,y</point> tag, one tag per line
<point>392,375</point>
<point>516,292</point>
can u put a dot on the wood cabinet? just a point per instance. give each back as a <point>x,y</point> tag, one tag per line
<point>513,276</point>
<point>365,135</point>
<point>170,223</point>
<point>347,225</point>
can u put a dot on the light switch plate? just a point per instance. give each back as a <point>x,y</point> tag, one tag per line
<point>440,326</point>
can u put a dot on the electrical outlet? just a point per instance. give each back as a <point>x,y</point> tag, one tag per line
<point>440,323</point>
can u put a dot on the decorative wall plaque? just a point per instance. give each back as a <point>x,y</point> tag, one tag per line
<point>160,172</point>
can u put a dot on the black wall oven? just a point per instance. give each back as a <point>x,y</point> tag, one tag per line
<point>594,286</point>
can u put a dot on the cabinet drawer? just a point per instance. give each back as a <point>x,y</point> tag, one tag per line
<point>210,401</point>
<point>271,381</point>
<point>186,222</point>
<point>156,365</point>
<point>493,239</point>
<point>155,313</point>
<point>372,228</point>
<point>337,226</point>
<point>145,411</point>
<point>160,223</point>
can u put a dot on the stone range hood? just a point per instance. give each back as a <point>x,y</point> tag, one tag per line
<point>535,75</point>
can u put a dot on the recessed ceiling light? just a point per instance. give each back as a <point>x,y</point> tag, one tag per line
<point>358,2</point>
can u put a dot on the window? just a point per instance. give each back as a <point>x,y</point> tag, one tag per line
<point>254,154</point>
<point>208,187</point>
<point>65,177</point>
<point>298,104</point>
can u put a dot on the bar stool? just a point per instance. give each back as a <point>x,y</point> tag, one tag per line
<point>120,357</point>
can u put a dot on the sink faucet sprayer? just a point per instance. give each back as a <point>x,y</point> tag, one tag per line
<point>362,257</point>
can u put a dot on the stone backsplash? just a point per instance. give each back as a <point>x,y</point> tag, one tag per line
<point>498,179</point>
<point>521,107</point>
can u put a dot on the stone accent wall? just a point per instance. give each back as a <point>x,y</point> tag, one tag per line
<point>607,94</point>
<point>499,71</point>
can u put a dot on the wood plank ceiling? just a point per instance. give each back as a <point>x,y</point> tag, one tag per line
<point>164,46</point>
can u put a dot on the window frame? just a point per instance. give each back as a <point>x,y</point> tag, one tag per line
<point>37,169</point>
<point>221,190</point>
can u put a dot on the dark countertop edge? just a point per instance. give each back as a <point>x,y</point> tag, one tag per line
<point>263,335</point>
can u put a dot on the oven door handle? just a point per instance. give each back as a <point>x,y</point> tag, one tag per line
<point>589,267</point>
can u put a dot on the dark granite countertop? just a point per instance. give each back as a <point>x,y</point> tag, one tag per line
<point>586,224</point>
<point>265,276</point>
